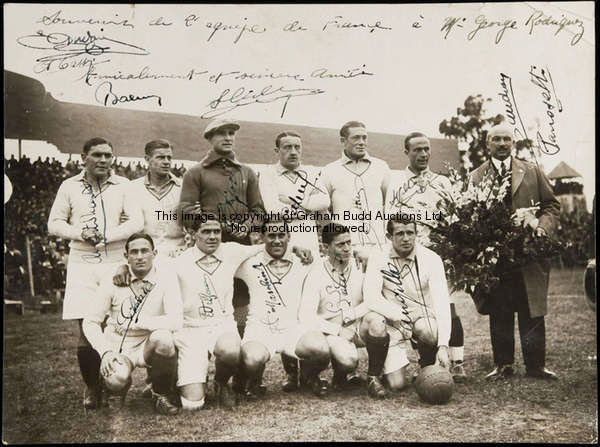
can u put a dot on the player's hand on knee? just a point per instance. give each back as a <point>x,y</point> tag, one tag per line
<point>442,357</point>
<point>122,277</point>
<point>304,254</point>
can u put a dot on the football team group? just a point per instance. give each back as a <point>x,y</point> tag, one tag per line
<point>191,291</point>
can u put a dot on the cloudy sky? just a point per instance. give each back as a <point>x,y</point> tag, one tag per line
<point>397,68</point>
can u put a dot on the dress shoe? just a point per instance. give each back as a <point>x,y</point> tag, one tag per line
<point>541,373</point>
<point>501,372</point>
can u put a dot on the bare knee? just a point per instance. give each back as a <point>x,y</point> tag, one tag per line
<point>346,359</point>
<point>397,380</point>
<point>162,343</point>
<point>254,356</point>
<point>425,331</point>
<point>227,349</point>
<point>374,324</point>
<point>313,345</point>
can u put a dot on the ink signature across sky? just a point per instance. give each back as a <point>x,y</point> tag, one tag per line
<point>546,135</point>
<point>62,46</point>
<point>229,99</point>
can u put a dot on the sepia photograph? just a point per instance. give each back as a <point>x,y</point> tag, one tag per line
<point>300,223</point>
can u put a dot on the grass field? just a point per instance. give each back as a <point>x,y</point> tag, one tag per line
<point>42,394</point>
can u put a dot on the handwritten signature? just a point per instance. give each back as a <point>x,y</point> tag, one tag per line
<point>230,100</point>
<point>273,301</point>
<point>132,307</point>
<point>553,105</point>
<point>67,46</point>
<point>207,298</point>
<point>106,96</point>
<point>344,303</point>
<point>301,192</point>
<point>90,221</point>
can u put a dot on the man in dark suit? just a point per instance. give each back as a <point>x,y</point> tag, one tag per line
<point>524,290</point>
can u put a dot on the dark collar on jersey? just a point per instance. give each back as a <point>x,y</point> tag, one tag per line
<point>211,157</point>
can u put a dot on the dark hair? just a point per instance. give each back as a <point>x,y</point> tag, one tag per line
<point>270,221</point>
<point>94,142</point>
<point>401,218</point>
<point>198,219</point>
<point>331,230</point>
<point>412,135</point>
<point>287,133</point>
<point>156,144</point>
<point>135,236</point>
<point>344,130</point>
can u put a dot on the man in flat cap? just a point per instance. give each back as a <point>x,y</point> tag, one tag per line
<point>220,184</point>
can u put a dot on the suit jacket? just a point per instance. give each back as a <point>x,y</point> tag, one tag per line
<point>529,186</point>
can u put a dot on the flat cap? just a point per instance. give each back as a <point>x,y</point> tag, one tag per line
<point>217,124</point>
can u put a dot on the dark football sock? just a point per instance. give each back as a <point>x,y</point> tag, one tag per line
<point>457,336</point>
<point>224,371</point>
<point>163,373</point>
<point>290,364</point>
<point>89,365</point>
<point>377,349</point>
<point>312,368</point>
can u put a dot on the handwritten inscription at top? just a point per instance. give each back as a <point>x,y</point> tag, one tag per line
<point>62,46</point>
<point>57,18</point>
<point>476,27</point>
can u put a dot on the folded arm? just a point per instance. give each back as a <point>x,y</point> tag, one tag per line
<point>59,220</point>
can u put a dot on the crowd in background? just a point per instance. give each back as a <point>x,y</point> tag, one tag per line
<point>35,185</point>
<point>34,188</point>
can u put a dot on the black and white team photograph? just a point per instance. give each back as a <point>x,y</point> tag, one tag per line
<point>283,223</point>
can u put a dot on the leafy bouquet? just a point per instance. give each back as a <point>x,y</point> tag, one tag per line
<point>479,237</point>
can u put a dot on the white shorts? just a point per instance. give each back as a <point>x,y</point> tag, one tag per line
<point>284,342</point>
<point>132,348</point>
<point>194,344</point>
<point>82,283</point>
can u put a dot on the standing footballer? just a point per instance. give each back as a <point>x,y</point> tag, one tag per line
<point>357,184</point>
<point>87,211</point>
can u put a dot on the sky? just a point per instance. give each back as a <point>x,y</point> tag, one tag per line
<point>394,67</point>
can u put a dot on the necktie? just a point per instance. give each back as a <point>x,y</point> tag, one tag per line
<point>504,172</point>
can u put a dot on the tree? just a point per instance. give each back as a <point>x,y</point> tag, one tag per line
<point>470,125</point>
